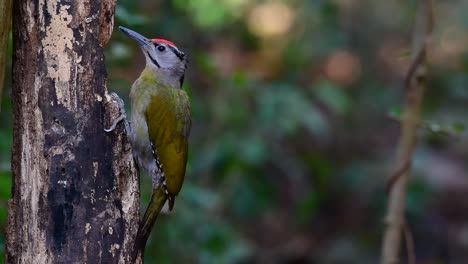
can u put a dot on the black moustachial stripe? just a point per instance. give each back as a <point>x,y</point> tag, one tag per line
<point>153,60</point>
<point>181,80</point>
<point>179,54</point>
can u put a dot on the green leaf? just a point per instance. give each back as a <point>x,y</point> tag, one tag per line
<point>333,96</point>
<point>395,112</point>
<point>5,185</point>
<point>459,127</point>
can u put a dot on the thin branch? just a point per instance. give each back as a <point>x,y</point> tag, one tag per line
<point>409,244</point>
<point>397,174</point>
<point>414,89</point>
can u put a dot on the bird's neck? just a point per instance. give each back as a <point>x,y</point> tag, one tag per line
<point>149,83</point>
<point>163,77</point>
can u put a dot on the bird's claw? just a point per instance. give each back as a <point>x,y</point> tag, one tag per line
<point>116,122</point>
<point>122,116</point>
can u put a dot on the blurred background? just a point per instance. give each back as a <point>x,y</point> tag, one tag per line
<point>295,107</point>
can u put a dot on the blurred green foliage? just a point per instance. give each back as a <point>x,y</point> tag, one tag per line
<point>6,141</point>
<point>292,140</point>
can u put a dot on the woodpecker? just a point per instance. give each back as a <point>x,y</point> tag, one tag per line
<point>160,125</point>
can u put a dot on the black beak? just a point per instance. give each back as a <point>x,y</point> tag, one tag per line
<point>139,38</point>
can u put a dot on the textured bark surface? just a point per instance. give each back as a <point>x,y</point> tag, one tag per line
<point>75,190</point>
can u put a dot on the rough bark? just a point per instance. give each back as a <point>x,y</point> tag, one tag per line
<point>5,24</point>
<point>75,187</point>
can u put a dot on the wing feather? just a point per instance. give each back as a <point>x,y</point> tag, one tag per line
<point>169,122</point>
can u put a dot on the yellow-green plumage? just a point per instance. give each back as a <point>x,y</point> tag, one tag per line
<point>168,117</point>
<point>160,116</point>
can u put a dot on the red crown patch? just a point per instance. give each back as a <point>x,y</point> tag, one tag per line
<point>164,41</point>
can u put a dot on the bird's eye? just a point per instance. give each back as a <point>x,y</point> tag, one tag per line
<point>161,48</point>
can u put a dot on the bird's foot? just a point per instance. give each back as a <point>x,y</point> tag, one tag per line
<point>122,116</point>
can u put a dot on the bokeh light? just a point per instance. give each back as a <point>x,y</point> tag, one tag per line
<point>270,19</point>
<point>452,42</point>
<point>343,67</point>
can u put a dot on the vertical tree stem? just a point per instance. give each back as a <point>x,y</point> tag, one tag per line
<point>414,90</point>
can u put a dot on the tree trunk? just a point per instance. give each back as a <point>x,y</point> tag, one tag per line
<point>75,191</point>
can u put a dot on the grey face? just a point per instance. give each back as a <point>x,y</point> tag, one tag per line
<point>160,55</point>
<point>165,56</point>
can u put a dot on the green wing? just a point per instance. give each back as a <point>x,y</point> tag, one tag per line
<point>169,121</point>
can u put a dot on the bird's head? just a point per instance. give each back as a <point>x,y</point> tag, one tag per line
<point>162,57</point>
